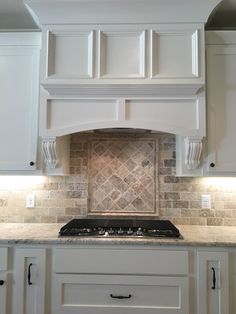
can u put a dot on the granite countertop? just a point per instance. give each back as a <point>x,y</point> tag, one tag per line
<point>15,233</point>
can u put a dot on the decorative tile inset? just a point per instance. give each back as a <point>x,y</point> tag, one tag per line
<point>122,176</point>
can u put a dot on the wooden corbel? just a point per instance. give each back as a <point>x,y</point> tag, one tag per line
<point>193,151</point>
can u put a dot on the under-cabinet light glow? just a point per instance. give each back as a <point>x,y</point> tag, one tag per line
<point>19,182</point>
<point>219,183</point>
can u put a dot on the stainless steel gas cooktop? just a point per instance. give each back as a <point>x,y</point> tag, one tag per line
<point>120,228</point>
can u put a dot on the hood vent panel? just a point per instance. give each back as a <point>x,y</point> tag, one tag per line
<point>122,64</point>
<point>66,116</point>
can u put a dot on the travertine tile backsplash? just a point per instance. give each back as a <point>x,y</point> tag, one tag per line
<point>120,174</point>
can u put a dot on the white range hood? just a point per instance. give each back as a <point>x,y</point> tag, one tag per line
<point>122,64</point>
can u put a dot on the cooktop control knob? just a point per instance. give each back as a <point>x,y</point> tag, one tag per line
<point>120,231</point>
<point>139,232</point>
<point>101,232</point>
<point>111,231</point>
<point>130,231</point>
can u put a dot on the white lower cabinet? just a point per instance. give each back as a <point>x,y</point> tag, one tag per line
<point>3,280</point>
<point>117,280</point>
<point>212,283</point>
<point>29,287</point>
<point>109,281</point>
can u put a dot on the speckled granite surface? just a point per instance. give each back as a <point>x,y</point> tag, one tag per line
<point>48,234</point>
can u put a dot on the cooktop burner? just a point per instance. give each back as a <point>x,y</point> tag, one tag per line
<point>117,227</point>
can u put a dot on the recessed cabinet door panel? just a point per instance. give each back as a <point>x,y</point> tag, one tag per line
<point>29,293</point>
<point>65,116</point>
<point>175,54</point>
<point>213,283</point>
<point>70,54</point>
<point>3,259</point>
<point>121,54</point>
<point>18,107</point>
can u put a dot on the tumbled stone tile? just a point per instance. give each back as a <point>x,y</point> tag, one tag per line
<point>181,220</point>
<point>188,196</point>
<point>169,163</point>
<point>35,219</point>
<point>64,219</point>
<point>48,219</point>
<point>171,195</point>
<point>189,212</point>
<point>206,213</point>
<point>224,213</point>
<point>180,204</point>
<point>171,179</point>
<point>229,222</point>
<point>72,211</point>
<point>122,203</point>
<point>197,221</point>
<point>215,221</point>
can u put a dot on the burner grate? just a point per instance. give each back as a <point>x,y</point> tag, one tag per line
<point>118,227</point>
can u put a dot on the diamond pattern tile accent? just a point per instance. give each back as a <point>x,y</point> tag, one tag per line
<point>122,176</point>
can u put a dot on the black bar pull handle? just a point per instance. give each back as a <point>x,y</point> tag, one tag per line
<point>213,278</point>
<point>120,296</point>
<point>2,282</point>
<point>29,274</point>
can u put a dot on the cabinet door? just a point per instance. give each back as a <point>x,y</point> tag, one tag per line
<point>19,84</point>
<point>29,293</point>
<point>221,95</point>
<point>3,280</point>
<point>213,283</point>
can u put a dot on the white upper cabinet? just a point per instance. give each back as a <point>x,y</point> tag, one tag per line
<point>19,93</point>
<point>221,105</point>
<point>219,158</point>
<point>147,54</point>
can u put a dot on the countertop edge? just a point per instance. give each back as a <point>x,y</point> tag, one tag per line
<point>47,234</point>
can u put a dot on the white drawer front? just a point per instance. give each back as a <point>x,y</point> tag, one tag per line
<point>98,294</point>
<point>117,261</point>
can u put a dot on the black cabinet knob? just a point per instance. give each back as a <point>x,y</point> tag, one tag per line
<point>31,163</point>
<point>212,165</point>
<point>2,282</point>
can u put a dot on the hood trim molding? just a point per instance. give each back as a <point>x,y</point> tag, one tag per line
<point>122,90</point>
<point>177,115</point>
<point>99,11</point>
